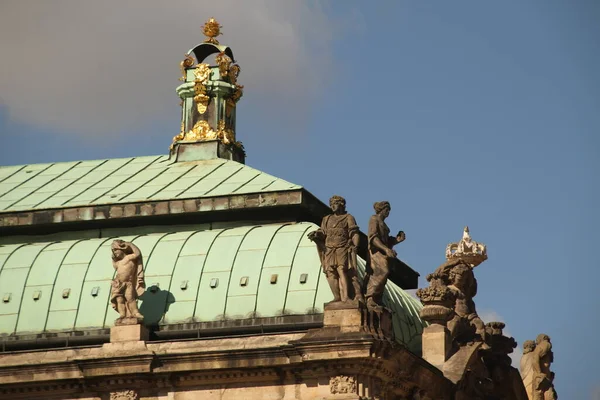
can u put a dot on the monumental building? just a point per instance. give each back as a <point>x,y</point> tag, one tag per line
<point>191,275</point>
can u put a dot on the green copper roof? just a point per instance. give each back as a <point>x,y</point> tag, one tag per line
<point>191,276</point>
<point>127,180</point>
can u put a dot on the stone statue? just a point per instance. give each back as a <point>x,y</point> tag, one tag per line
<point>381,252</point>
<point>526,365</point>
<point>128,283</point>
<point>535,369</point>
<point>452,289</point>
<point>337,241</point>
<point>465,325</point>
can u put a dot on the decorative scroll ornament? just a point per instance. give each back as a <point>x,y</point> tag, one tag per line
<point>124,395</point>
<point>211,30</point>
<point>201,98</point>
<point>187,62</point>
<point>468,250</point>
<point>342,384</point>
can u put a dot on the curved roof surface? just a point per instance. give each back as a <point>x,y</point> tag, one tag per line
<point>191,276</point>
<point>127,180</point>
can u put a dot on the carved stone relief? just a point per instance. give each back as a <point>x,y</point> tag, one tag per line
<point>124,395</point>
<point>342,384</point>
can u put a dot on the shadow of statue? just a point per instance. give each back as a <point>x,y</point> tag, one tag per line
<point>155,303</point>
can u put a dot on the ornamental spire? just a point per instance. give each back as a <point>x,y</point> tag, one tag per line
<point>209,96</point>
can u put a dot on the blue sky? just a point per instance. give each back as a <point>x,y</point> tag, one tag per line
<point>459,113</point>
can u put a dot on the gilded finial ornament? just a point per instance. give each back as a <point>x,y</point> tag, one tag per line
<point>187,62</point>
<point>211,30</point>
<point>467,249</point>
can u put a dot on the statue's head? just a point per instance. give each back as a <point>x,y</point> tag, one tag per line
<point>542,337</point>
<point>528,346</point>
<point>119,249</point>
<point>383,208</point>
<point>337,204</point>
<point>461,276</point>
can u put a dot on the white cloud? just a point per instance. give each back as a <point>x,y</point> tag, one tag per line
<point>106,67</point>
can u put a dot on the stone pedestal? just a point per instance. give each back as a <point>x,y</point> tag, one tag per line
<point>436,345</point>
<point>345,315</point>
<point>128,333</point>
<point>356,317</point>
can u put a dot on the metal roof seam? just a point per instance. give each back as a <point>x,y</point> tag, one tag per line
<point>233,264</point>
<point>287,289</point>
<point>220,183</point>
<point>319,274</point>
<point>262,265</point>
<point>175,267</point>
<point>74,182</point>
<point>204,265</point>
<point>83,280</point>
<point>10,255</point>
<point>142,185</point>
<point>103,179</point>
<point>25,181</point>
<point>14,173</point>
<point>247,182</point>
<point>272,182</point>
<point>45,184</point>
<point>56,277</point>
<point>199,179</point>
<point>128,178</point>
<point>170,183</point>
<point>25,283</point>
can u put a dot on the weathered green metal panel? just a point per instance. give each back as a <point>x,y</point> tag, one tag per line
<point>63,310</point>
<point>38,290</point>
<point>12,283</point>
<point>301,295</point>
<point>114,181</point>
<point>189,267</point>
<point>212,180</point>
<point>210,304</point>
<point>241,296</point>
<point>196,275</point>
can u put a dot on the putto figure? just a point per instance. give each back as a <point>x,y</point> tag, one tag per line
<point>381,252</point>
<point>337,241</point>
<point>128,283</point>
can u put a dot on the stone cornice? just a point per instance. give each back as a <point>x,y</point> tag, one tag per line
<point>192,363</point>
<point>128,211</point>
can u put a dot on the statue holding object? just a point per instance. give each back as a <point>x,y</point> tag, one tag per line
<point>337,241</point>
<point>128,284</point>
<point>381,252</point>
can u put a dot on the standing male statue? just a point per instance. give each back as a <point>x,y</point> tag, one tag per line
<point>381,252</point>
<point>337,241</point>
<point>128,283</point>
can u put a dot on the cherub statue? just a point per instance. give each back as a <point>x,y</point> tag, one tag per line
<point>337,241</point>
<point>128,283</point>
